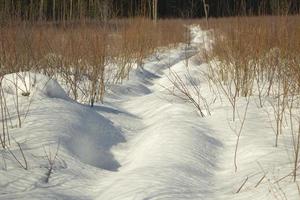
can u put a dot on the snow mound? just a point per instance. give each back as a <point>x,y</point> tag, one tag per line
<point>91,137</point>
<point>30,84</point>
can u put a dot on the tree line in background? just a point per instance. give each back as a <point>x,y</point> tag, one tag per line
<point>60,10</point>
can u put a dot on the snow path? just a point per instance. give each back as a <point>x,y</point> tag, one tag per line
<point>172,153</point>
<point>169,152</point>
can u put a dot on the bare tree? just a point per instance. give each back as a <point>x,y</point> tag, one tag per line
<point>41,9</point>
<point>31,9</point>
<point>206,10</point>
<point>154,9</point>
<point>105,10</point>
<point>53,9</point>
<point>71,9</point>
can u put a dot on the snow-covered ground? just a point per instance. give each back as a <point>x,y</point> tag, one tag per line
<point>144,142</point>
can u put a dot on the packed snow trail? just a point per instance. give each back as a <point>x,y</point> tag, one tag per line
<point>169,153</point>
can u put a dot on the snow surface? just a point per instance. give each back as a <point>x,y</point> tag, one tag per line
<point>143,143</point>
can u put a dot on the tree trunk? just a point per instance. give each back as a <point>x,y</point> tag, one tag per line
<point>206,9</point>
<point>71,9</point>
<point>154,9</point>
<point>31,10</point>
<point>105,11</point>
<point>53,10</point>
<point>79,9</point>
<point>41,10</point>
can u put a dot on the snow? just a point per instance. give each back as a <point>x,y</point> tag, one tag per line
<point>143,142</point>
<point>34,83</point>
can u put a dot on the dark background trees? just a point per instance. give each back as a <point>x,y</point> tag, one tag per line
<point>103,9</point>
<point>220,8</point>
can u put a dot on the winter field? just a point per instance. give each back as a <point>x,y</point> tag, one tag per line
<point>143,111</point>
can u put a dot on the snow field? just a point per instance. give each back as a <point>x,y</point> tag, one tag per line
<point>143,142</point>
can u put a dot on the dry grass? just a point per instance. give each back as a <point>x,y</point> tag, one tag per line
<point>74,50</point>
<point>260,56</point>
<point>84,56</point>
<point>257,49</point>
